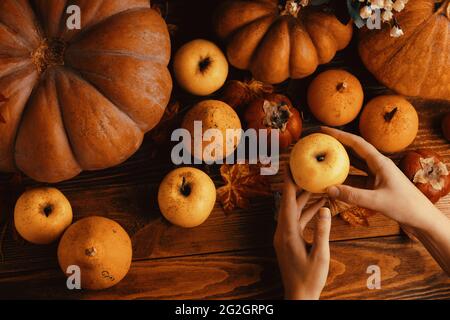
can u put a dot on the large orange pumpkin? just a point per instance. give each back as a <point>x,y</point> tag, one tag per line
<point>74,100</point>
<point>277,39</point>
<point>417,63</point>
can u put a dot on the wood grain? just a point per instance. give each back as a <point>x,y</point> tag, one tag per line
<point>227,248</point>
<point>407,272</point>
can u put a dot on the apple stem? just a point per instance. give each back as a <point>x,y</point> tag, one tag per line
<point>90,252</point>
<point>388,116</point>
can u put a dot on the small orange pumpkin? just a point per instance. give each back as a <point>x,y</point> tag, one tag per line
<point>276,40</point>
<point>275,111</point>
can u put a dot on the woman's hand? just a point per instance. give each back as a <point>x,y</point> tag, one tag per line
<point>304,273</point>
<point>393,194</point>
<point>396,197</point>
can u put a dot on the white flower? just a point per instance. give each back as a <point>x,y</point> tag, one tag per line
<point>365,12</point>
<point>396,32</point>
<point>377,4</point>
<point>388,4</point>
<point>399,5</point>
<point>387,16</point>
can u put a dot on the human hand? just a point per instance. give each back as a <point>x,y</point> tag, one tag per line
<point>393,194</point>
<point>304,273</point>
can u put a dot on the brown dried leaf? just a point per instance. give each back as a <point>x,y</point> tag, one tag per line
<point>242,182</point>
<point>357,216</point>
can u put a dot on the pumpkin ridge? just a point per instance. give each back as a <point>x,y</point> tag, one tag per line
<point>36,23</point>
<point>79,74</point>
<point>403,43</point>
<point>88,29</point>
<point>93,164</point>
<point>17,38</point>
<point>116,53</point>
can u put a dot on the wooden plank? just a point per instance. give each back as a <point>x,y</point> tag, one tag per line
<point>407,272</point>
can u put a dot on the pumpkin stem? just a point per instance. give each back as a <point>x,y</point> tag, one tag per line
<point>292,7</point>
<point>388,116</point>
<point>49,53</point>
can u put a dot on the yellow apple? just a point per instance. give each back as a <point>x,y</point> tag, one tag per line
<point>200,67</point>
<point>319,161</point>
<point>186,197</point>
<point>41,215</point>
<point>217,115</point>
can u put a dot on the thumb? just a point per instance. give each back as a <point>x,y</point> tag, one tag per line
<point>360,197</point>
<point>321,247</point>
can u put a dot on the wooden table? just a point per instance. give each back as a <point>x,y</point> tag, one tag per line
<point>230,256</point>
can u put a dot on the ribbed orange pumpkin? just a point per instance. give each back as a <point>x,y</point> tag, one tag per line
<point>73,100</point>
<point>277,40</point>
<point>417,63</point>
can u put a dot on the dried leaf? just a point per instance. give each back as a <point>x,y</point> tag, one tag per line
<point>242,182</point>
<point>357,216</point>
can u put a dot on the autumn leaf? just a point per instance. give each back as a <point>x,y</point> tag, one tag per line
<point>357,216</point>
<point>242,182</point>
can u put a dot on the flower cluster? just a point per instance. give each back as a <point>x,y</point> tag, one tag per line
<point>387,8</point>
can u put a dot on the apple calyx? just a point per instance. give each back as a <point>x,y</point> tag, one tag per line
<point>276,115</point>
<point>48,209</point>
<point>185,188</point>
<point>432,172</point>
<point>388,116</point>
<point>204,64</point>
<point>321,157</point>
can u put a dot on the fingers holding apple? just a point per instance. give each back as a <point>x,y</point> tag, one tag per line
<point>318,162</point>
<point>200,67</point>
<point>41,215</point>
<point>186,197</point>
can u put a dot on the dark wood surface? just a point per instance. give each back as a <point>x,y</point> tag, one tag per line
<point>230,256</point>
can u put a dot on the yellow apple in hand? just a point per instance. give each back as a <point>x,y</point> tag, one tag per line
<point>186,197</point>
<point>41,215</point>
<point>200,67</point>
<point>319,161</point>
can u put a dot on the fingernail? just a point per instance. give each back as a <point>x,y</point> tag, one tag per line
<point>325,213</point>
<point>333,192</point>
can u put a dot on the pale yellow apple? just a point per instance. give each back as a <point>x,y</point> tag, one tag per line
<point>186,197</point>
<point>200,67</point>
<point>41,215</point>
<point>319,161</point>
<point>214,114</point>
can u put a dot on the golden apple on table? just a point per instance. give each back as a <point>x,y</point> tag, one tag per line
<point>200,67</point>
<point>319,161</point>
<point>41,215</point>
<point>186,197</point>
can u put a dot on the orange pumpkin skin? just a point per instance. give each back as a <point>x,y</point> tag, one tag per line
<point>275,45</point>
<point>255,116</point>
<point>83,99</point>
<point>417,63</point>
